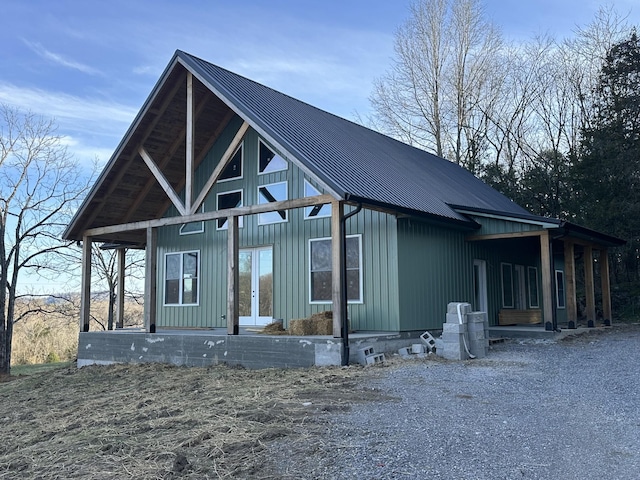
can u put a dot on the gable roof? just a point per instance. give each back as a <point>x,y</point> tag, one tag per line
<point>351,161</point>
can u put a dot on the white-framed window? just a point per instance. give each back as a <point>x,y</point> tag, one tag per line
<point>316,211</point>
<point>233,170</point>
<point>507,284</point>
<point>181,274</point>
<point>224,200</point>
<point>560,299</point>
<point>532,280</point>
<point>320,273</point>
<point>193,227</point>
<point>274,192</point>
<point>268,160</point>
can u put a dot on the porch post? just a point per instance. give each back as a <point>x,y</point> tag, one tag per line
<point>85,292</point>
<point>606,291</point>
<point>570,284</point>
<point>150,282</point>
<point>547,290</point>
<point>120,286</point>
<point>589,286</point>
<point>233,304</point>
<point>338,280</point>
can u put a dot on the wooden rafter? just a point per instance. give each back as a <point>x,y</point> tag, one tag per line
<point>162,180</point>
<point>188,191</point>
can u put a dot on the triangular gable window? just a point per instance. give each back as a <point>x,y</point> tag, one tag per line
<point>233,169</point>
<point>229,200</point>
<point>316,211</point>
<point>269,161</point>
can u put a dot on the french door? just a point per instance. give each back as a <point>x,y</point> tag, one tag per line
<point>255,271</point>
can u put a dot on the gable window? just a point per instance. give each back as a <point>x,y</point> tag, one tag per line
<point>181,278</point>
<point>275,192</point>
<point>507,285</point>
<point>315,211</point>
<point>560,301</point>
<point>233,170</point>
<point>532,273</point>
<point>268,160</point>
<point>226,200</point>
<point>320,269</point>
<point>193,227</point>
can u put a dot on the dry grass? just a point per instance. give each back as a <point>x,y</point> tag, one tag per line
<point>161,422</point>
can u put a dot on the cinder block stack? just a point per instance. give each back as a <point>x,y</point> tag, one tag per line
<point>453,331</point>
<point>478,333</point>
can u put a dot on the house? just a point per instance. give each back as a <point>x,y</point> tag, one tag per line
<point>253,206</point>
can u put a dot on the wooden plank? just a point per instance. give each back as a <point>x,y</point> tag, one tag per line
<point>606,289</point>
<point>213,215</point>
<point>85,292</point>
<point>162,180</point>
<point>120,286</point>
<point>498,236</point>
<point>570,283</point>
<point>188,194</point>
<point>547,291</point>
<point>233,302</point>
<point>338,280</point>
<point>150,269</point>
<point>237,139</point>
<point>508,316</point>
<point>589,286</point>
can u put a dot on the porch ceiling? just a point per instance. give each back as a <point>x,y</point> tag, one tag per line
<point>127,191</point>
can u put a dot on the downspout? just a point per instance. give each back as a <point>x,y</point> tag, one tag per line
<point>345,297</point>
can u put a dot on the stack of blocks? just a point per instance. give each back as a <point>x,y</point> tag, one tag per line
<point>474,326</point>
<point>478,333</point>
<point>367,356</point>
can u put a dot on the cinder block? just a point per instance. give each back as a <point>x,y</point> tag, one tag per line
<point>464,307</point>
<point>453,328</point>
<point>404,352</point>
<point>363,353</point>
<point>452,351</point>
<point>476,317</point>
<point>375,359</point>
<point>452,337</point>
<point>454,318</point>
<point>428,340</point>
<point>417,348</point>
<point>476,336</point>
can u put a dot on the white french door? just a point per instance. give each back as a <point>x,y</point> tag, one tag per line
<point>256,286</point>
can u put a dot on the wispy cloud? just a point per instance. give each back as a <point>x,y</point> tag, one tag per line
<point>60,60</point>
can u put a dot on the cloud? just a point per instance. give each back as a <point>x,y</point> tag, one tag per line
<point>59,59</point>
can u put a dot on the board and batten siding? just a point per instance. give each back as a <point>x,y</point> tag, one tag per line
<point>290,243</point>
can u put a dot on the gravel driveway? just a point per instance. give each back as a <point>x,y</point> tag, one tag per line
<point>530,410</point>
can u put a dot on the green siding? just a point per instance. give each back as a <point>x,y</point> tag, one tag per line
<point>495,225</point>
<point>290,242</point>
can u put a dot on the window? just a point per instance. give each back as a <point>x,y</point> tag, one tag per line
<point>181,278</point>
<point>269,161</point>
<point>317,211</point>
<point>507,285</point>
<point>193,227</point>
<point>320,269</point>
<point>226,200</point>
<point>233,169</point>
<point>560,302</point>
<point>274,192</point>
<point>532,274</point>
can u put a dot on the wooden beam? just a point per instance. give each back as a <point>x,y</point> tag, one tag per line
<point>150,269</point>
<point>85,292</point>
<point>213,215</point>
<point>606,289</point>
<point>589,286</point>
<point>498,236</point>
<point>233,302</point>
<point>338,281</point>
<point>570,283</point>
<point>188,190</point>
<point>122,252</point>
<point>547,290</point>
<point>162,180</point>
<point>231,149</point>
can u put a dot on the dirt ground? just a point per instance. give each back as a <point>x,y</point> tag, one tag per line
<point>157,422</point>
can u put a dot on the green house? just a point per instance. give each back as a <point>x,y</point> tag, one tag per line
<point>253,206</point>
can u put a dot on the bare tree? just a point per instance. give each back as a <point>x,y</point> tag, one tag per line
<point>40,185</point>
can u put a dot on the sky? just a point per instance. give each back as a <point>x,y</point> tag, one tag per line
<point>91,64</point>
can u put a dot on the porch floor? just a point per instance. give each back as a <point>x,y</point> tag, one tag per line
<point>537,331</point>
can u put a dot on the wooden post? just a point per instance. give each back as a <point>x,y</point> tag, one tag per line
<point>120,286</point>
<point>188,186</point>
<point>589,286</point>
<point>547,281</point>
<point>570,284</point>
<point>85,293</point>
<point>150,281</point>
<point>233,302</point>
<point>338,280</point>
<point>606,290</point>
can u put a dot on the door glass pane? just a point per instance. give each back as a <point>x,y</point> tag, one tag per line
<point>244,281</point>
<point>266,283</point>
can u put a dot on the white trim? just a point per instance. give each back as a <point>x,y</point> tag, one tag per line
<point>317,192</point>
<point>181,280</point>
<point>508,218</point>
<point>180,232</point>
<point>223,180</point>
<point>240,219</point>
<point>360,300</point>
<point>564,290</point>
<point>502,264</point>
<point>272,150</point>
<point>531,304</point>
<point>260,202</point>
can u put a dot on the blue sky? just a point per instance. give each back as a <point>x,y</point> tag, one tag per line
<point>91,64</point>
